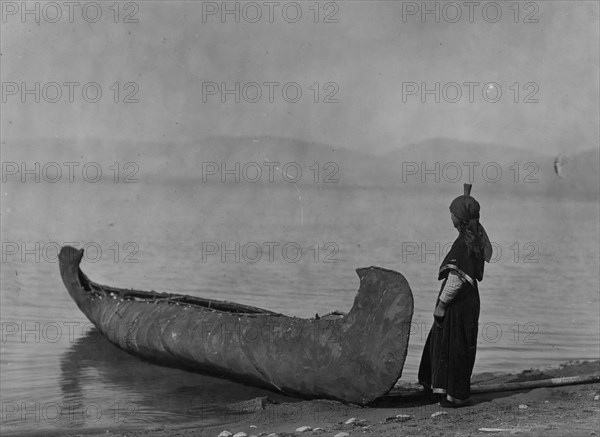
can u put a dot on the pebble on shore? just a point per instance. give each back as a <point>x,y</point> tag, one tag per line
<point>303,429</point>
<point>356,422</point>
<point>341,434</point>
<point>225,434</point>
<point>398,418</point>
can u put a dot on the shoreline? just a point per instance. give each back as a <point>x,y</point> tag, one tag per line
<point>572,410</point>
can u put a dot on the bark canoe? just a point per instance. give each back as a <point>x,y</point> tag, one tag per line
<point>355,357</point>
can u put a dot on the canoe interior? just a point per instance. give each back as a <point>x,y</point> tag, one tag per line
<point>153,296</point>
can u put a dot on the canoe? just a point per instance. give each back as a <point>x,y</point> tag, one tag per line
<point>354,357</point>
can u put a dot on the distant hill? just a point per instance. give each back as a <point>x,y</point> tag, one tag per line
<point>445,148</point>
<point>446,164</point>
<point>495,168</point>
<point>432,165</point>
<point>194,160</point>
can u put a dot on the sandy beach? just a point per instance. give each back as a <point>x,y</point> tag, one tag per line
<point>572,410</point>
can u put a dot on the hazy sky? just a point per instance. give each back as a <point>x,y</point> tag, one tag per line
<point>366,59</point>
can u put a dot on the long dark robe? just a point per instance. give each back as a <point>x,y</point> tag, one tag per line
<point>449,353</point>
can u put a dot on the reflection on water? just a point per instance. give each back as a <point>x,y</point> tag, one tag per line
<point>103,386</point>
<point>56,373</point>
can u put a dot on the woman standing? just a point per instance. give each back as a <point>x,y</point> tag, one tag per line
<point>449,354</point>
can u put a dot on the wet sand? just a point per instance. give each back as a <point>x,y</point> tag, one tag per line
<point>557,411</point>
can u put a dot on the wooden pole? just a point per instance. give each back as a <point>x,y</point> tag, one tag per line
<point>553,382</point>
<point>508,386</point>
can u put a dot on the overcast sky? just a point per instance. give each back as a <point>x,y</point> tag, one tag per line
<point>364,61</point>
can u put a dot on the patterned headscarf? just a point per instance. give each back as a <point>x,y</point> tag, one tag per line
<point>466,209</point>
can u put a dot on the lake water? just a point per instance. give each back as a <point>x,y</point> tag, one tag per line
<point>539,298</point>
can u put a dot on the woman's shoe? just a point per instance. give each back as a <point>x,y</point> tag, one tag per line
<point>445,403</point>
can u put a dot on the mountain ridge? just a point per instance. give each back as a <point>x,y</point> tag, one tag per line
<point>438,163</point>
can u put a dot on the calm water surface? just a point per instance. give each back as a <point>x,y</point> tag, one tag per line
<point>539,299</point>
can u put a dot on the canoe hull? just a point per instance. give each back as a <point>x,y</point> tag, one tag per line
<point>355,358</point>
